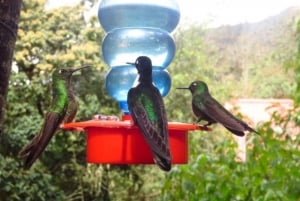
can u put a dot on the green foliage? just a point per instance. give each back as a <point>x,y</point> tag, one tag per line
<point>16,184</point>
<point>271,172</point>
<point>190,64</point>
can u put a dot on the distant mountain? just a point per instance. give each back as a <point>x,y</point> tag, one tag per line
<point>253,56</point>
<point>254,41</point>
<point>248,58</point>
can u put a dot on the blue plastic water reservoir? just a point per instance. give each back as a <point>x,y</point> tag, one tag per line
<point>163,14</point>
<point>122,78</point>
<point>137,28</point>
<point>127,44</point>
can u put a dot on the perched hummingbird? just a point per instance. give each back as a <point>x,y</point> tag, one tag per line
<point>62,110</point>
<point>148,112</point>
<point>205,107</point>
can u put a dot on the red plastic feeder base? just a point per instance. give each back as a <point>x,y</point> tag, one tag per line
<point>120,142</point>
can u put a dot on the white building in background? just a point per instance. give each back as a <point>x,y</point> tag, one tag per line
<point>258,111</point>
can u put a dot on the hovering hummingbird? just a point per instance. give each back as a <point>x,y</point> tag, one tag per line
<point>205,107</point>
<point>148,112</point>
<point>62,110</point>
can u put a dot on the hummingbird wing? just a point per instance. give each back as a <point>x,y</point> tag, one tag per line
<point>148,112</point>
<point>71,111</point>
<point>37,145</point>
<point>214,110</point>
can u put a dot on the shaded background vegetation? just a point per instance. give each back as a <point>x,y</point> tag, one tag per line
<point>236,61</point>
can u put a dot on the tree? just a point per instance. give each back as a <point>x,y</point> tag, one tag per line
<point>9,16</point>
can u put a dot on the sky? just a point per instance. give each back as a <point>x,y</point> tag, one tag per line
<point>233,11</point>
<point>221,12</point>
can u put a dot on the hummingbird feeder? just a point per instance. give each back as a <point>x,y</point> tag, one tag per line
<point>134,28</point>
<point>120,142</point>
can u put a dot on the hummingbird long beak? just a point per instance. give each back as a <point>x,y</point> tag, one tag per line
<point>182,88</point>
<point>77,69</point>
<point>130,63</point>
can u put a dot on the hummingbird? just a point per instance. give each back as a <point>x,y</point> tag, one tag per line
<point>206,108</point>
<point>63,110</point>
<point>147,109</point>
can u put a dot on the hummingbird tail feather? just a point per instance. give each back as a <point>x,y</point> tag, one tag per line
<point>28,152</point>
<point>252,130</point>
<point>35,149</point>
<point>38,144</point>
<point>27,148</point>
<point>30,160</point>
<point>236,132</point>
<point>163,163</point>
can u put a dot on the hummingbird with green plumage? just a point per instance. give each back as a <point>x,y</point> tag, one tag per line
<point>206,108</point>
<point>147,109</point>
<point>63,110</point>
